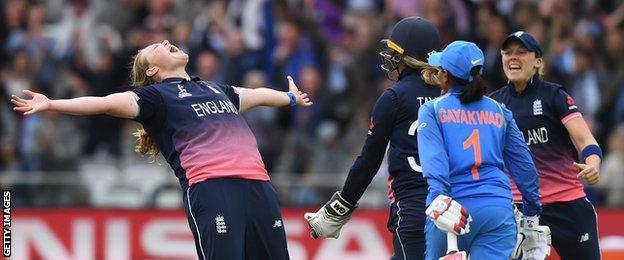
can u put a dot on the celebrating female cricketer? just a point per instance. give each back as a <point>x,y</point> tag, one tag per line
<point>232,208</point>
<point>557,135</point>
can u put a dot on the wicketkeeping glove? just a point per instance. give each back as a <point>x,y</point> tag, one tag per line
<point>330,218</point>
<point>535,239</point>
<point>448,215</point>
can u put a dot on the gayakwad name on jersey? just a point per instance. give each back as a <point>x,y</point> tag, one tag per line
<point>214,107</point>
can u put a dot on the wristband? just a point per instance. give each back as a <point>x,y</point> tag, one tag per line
<point>338,206</point>
<point>589,150</point>
<point>293,99</point>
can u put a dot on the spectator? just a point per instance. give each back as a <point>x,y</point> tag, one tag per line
<point>612,179</point>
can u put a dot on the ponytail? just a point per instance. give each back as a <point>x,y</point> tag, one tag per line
<point>475,89</point>
<point>428,73</point>
<point>145,145</point>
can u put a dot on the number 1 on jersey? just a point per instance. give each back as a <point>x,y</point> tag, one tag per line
<point>473,140</point>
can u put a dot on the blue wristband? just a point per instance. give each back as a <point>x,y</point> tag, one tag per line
<point>589,150</point>
<point>293,99</point>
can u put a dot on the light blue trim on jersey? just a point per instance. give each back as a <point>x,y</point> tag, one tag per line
<point>435,105</point>
<point>500,108</point>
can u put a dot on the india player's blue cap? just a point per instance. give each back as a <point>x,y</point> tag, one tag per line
<point>526,39</point>
<point>458,58</point>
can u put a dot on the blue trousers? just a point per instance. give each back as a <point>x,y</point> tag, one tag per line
<point>492,233</point>
<point>407,224</point>
<point>236,219</point>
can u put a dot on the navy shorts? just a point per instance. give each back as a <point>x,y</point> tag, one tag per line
<point>407,224</point>
<point>235,219</point>
<point>573,229</point>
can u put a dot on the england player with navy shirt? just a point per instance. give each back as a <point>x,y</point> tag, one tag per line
<point>394,119</point>
<point>465,141</point>
<point>232,209</point>
<point>557,135</point>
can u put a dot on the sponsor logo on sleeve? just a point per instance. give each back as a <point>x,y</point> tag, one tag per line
<point>371,125</point>
<point>571,103</point>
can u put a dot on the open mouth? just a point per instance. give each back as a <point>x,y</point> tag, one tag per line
<point>514,67</point>
<point>173,49</point>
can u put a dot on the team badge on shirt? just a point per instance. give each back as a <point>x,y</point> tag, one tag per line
<point>571,103</point>
<point>371,125</point>
<point>537,107</point>
<point>183,93</point>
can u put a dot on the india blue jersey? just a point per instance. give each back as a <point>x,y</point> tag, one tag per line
<point>465,147</point>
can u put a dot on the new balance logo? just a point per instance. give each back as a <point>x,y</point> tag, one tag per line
<point>220,223</point>
<point>183,93</point>
<point>584,238</point>
<point>277,224</point>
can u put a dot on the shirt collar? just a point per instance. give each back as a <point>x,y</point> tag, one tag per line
<point>456,89</point>
<point>535,80</point>
<point>179,79</point>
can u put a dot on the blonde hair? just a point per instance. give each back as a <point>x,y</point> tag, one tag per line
<point>427,72</point>
<point>145,144</point>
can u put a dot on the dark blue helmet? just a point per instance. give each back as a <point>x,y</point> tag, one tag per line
<point>413,36</point>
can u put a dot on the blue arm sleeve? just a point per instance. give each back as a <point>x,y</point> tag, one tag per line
<point>435,161</point>
<point>520,164</point>
<point>367,163</point>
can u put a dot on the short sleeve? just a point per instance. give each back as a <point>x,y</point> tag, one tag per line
<point>149,101</point>
<point>564,106</point>
<point>233,93</point>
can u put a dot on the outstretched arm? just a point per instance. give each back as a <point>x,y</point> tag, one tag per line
<point>118,105</point>
<point>268,97</point>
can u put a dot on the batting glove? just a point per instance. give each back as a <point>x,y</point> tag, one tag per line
<point>448,215</point>
<point>536,239</point>
<point>329,219</point>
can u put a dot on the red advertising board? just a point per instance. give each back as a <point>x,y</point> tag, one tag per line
<point>155,234</point>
